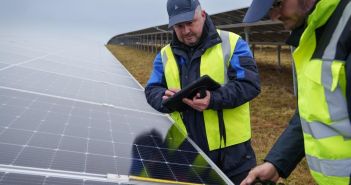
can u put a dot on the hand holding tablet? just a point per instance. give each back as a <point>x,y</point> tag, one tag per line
<point>199,86</point>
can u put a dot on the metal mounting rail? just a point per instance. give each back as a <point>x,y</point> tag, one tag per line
<point>64,174</point>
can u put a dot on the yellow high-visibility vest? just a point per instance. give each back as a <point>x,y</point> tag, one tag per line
<point>322,102</point>
<point>214,62</point>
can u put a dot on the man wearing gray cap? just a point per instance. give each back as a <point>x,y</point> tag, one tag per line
<point>320,129</point>
<point>219,122</point>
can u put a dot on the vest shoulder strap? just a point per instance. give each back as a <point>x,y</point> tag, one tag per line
<point>229,41</point>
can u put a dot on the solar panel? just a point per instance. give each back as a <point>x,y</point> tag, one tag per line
<point>70,113</point>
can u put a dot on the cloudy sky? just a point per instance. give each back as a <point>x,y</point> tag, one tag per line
<point>95,18</point>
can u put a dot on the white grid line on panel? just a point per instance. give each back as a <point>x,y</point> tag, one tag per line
<point>17,117</point>
<point>15,43</point>
<point>92,69</point>
<point>62,135</point>
<point>82,101</point>
<point>30,138</point>
<point>80,78</point>
<point>53,173</point>
<point>87,152</point>
<point>164,158</point>
<point>102,155</point>
<point>21,63</point>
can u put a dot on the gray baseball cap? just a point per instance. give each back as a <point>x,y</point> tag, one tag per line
<point>257,10</point>
<point>181,11</point>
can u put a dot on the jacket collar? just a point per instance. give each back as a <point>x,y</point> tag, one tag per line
<point>295,36</point>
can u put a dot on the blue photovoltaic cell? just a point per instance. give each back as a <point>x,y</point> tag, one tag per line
<point>14,136</point>
<point>159,170</point>
<point>70,70</point>
<point>98,183</point>
<point>11,58</point>
<point>100,147</point>
<point>9,153</point>
<point>174,156</point>
<point>20,179</point>
<point>79,111</point>
<point>101,164</point>
<point>74,144</point>
<point>120,149</point>
<point>61,140</point>
<point>187,173</point>
<point>69,161</point>
<point>45,140</point>
<point>77,88</point>
<point>62,181</point>
<point>3,65</point>
<point>35,157</point>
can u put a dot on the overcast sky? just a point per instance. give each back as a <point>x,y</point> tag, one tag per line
<point>100,19</point>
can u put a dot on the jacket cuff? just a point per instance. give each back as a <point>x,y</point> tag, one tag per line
<point>210,106</point>
<point>283,167</point>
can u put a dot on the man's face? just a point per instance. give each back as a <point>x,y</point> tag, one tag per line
<point>290,12</point>
<point>190,33</point>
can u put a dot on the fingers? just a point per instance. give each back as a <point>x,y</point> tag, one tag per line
<point>169,93</point>
<point>265,171</point>
<point>174,90</point>
<point>192,104</point>
<point>204,99</point>
<point>202,103</point>
<point>197,103</point>
<point>250,178</point>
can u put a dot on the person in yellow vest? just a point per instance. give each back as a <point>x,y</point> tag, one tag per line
<point>321,128</point>
<point>218,123</point>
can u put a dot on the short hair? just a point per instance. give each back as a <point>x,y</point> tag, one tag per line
<point>198,9</point>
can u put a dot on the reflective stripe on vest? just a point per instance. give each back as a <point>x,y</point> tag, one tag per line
<point>322,101</point>
<point>214,62</point>
<point>338,168</point>
<point>320,130</point>
<point>226,52</point>
<point>334,96</point>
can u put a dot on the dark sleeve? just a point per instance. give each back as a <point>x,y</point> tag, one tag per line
<point>288,150</point>
<point>243,80</point>
<point>156,86</point>
<point>348,83</point>
<point>344,47</point>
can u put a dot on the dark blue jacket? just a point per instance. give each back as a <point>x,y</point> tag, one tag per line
<point>242,87</point>
<point>288,151</point>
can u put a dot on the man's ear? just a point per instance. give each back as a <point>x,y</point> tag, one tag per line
<point>308,5</point>
<point>274,14</point>
<point>203,13</point>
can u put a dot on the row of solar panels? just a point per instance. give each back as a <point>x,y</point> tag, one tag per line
<point>70,113</point>
<point>262,32</point>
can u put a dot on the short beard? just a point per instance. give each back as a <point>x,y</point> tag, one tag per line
<point>193,44</point>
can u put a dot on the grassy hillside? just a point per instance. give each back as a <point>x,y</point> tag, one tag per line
<point>270,111</point>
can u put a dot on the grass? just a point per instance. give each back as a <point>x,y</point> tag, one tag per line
<point>270,111</point>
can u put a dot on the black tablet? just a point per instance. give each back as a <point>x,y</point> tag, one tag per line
<point>199,86</point>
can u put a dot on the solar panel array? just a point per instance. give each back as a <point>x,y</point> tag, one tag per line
<point>265,32</point>
<point>70,113</point>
